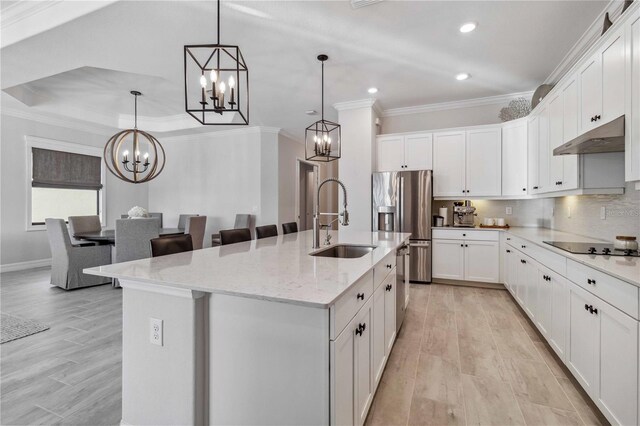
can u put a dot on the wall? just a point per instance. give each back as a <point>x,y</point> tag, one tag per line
<point>16,244</point>
<point>289,151</point>
<point>443,119</point>
<point>622,214</point>
<point>356,164</point>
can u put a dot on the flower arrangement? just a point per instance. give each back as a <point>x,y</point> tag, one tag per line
<point>137,212</point>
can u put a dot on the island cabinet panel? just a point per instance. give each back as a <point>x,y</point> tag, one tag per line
<point>349,303</point>
<point>379,343</point>
<point>363,379</point>
<point>390,312</point>
<point>342,377</point>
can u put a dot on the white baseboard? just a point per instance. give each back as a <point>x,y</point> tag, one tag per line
<point>21,266</point>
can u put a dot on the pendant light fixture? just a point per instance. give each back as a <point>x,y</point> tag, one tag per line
<point>322,138</point>
<point>122,153</point>
<point>216,83</point>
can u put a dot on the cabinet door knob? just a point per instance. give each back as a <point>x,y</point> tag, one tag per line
<point>508,251</point>
<point>360,296</point>
<point>389,287</point>
<point>461,245</point>
<point>586,307</point>
<point>524,189</point>
<point>523,246</point>
<point>466,245</point>
<point>464,235</point>
<point>535,187</point>
<point>590,281</point>
<point>598,117</point>
<point>361,328</point>
<point>389,266</point>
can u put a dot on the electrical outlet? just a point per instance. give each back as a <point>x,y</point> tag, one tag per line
<point>155,330</point>
<point>509,210</point>
<point>603,212</point>
<point>569,211</point>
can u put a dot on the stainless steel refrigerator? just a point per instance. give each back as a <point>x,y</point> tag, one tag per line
<point>402,203</point>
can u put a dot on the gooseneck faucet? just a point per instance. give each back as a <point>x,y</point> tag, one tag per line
<point>317,214</point>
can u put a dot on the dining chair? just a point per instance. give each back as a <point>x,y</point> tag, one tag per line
<point>182,220</point>
<point>289,228</point>
<point>232,236</point>
<point>266,231</point>
<point>163,246</point>
<point>69,260</point>
<point>241,221</point>
<point>157,216</point>
<point>133,238</point>
<point>82,224</point>
<point>195,226</point>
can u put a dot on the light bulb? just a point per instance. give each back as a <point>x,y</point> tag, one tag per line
<point>126,153</point>
<point>329,141</point>
<point>232,82</point>
<point>146,155</point>
<point>203,81</point>
<point>214,76</point>
<point>315,138</point>
<point>326,137</point>
<point>137,153</point>
<point>222,87</point>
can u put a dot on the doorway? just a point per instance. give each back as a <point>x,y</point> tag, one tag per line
<point>306,187</point>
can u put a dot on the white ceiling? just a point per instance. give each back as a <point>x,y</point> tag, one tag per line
<point>411,51</point>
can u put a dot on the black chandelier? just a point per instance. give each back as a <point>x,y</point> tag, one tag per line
<point>216,83</point>
<point>322,138</point>
<point>137,168</point>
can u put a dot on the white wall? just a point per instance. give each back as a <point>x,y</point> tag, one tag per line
<point>16,244</point>
<point>289,151</point>
<point>442,119</point>
<point>356,163</point>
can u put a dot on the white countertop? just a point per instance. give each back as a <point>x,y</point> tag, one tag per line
<point>277,268</point>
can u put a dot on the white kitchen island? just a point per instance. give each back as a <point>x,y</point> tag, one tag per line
<point>259,332</point>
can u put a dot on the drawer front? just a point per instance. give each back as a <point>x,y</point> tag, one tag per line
<point>383,268</point>
<point>620,294</point>
<point>350,303</point>
<point>551,260</point>
<point>465,234</point>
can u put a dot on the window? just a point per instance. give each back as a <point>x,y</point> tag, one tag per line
<point>64,180</point>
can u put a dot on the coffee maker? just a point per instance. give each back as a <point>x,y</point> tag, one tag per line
<point>463,214</point>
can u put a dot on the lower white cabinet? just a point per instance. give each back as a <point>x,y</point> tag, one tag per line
<point>603,355</point>
<point>466,260</point>
<point>379,341</point>
<point>362,348</point>
<point>390,312</point>
<point>559,323</point>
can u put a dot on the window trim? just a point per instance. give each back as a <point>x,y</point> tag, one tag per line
<point>55,145</point>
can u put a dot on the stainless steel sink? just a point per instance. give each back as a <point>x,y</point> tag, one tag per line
<point>345,251</point>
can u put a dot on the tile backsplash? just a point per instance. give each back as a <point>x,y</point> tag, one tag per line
<point>621,212</point>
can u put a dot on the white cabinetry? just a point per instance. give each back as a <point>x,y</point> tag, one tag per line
<point>514,158</point>
<point>404,152</point>
<point>533,153</point>
<point>449,164</point>
<point>342,374</point>
<point>384,324</point>
<point>390,312</point>
<point>466,259</point>
<point>467,162</point>
<point>362,348</point>
<point>556,138</point>
<point>632,119</point>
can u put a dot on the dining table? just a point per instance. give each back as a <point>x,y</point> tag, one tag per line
<point>108,236</point>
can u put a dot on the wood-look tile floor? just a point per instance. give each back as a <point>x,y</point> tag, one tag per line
<point>469,356</point>
<point>71,373</point>
<point>464,356</point>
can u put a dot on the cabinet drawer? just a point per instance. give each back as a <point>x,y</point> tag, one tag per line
<point>546,257</point>
<point>348,305</point>
<point>465,234</point>
<point>383,268</point>
<point>620,294</point>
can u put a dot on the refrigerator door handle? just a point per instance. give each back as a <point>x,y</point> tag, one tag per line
<point>401,204</point>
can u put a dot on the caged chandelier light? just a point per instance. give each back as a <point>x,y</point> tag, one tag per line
<point>216,83</point>
<point>137,168</point>
<point>322,138</point>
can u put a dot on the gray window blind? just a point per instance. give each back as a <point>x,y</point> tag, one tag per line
<point>58,169</point>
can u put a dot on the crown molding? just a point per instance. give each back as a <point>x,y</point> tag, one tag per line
<point>59,121</point>
<point>24,19</point>
<point>361,103</point>
<point>585,42</point>
<point>467,103</point>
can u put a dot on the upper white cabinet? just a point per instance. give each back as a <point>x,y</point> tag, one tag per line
<point>404,152</point>
<point>632,122</point>
<point>449,164</point>
<point>484,162</point>
<point>467,163</point>
<point>514,158</point>
<point>602,83</point>
<point>533,141</point>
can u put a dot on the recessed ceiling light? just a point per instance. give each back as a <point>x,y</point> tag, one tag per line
<point>468,27</point>
<point>462,76</point>
<point>372,90</point>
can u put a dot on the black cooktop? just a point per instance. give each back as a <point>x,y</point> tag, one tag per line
<point>592,248</point>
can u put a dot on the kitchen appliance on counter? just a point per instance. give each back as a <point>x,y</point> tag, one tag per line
<point>463,214</point>
<point>592,248</point>
<point>402,280</point>
<point>402,203</point>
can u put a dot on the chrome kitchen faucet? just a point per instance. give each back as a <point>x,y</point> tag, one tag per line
<point>316,216</point>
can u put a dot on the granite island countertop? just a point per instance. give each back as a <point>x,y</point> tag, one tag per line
<point>277,268</point>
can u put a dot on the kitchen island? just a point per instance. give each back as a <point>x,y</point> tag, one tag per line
<point>259,332</point>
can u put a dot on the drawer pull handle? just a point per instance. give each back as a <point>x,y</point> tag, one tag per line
<point>590,281</point>
<point>389,287</point>
<point>361,328</point>
<point>586,307</point>
<point>523,246</point>
<point>508,251</point>
<point>461,245</point>
<point>389,266</point>
<point>360,296</point>
<point>535,187</point>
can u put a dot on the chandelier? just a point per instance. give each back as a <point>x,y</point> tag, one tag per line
<point>216,83</point>
<point>322,138</point>
<point>122,153</point>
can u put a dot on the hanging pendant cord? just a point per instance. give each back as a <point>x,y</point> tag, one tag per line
<point>218,22</point>
<point>135,112</point>
<point>322,91</point>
